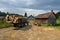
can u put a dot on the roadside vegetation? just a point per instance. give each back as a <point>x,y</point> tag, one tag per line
<point>4,24</point>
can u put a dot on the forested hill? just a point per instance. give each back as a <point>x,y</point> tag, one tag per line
<point>4,14</point>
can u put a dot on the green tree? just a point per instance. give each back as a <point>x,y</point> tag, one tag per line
<point>25,14</point>
<point>7,13</point>
<point>58,15</point>
<point>2,13</point>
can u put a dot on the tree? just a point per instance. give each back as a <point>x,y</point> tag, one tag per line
<point>58,14</point>
<point>25,14</point>
<point>7,13</point>
<point>2,13</point>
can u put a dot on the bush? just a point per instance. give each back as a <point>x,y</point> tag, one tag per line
<point>4,24</point>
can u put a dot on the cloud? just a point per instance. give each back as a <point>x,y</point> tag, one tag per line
<point>21,11</point>
<point>34,12</point>
<point>2,9</point>
<point>18,2</point>
<point>33,7</point>
<point>33,4</point>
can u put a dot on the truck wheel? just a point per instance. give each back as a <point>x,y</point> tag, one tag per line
<point>14,25</point>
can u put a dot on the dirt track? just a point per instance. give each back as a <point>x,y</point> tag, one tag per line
<point>30,33</point>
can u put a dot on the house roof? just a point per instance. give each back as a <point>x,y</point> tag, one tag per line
<point>45,15</point>
<point>31,16</point>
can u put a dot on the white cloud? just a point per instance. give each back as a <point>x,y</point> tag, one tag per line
<point>2,9</point>
<point>32,11</point>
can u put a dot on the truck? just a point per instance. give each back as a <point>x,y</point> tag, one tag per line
<point>17,21</point>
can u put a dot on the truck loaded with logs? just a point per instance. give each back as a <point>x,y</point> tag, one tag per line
<point>17,21</point>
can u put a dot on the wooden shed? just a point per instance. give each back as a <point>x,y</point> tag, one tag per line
<point>46,18</point>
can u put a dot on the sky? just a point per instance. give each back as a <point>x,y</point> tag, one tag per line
<point>32,7</point>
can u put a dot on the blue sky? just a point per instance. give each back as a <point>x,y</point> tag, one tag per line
<point>33,7</point>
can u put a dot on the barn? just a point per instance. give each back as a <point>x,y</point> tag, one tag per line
<point>46,18</point>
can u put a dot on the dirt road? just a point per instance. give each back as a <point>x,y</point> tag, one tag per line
<point>30,33</point>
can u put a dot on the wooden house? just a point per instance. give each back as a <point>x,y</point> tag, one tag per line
<point>46,18</point>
